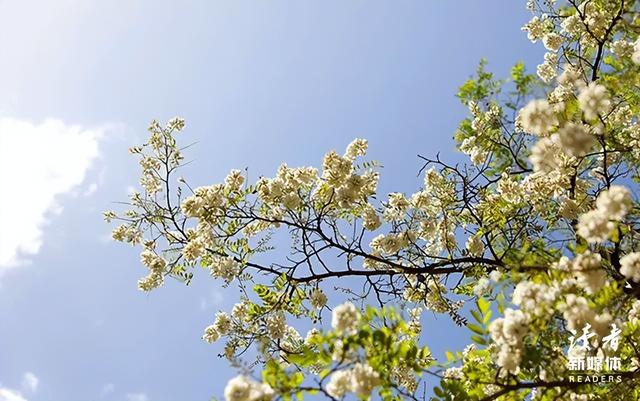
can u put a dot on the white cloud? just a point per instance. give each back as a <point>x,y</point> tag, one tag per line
<point>107,389</point>
<point>213,300</point>
<point>91,189</point>
<point>135,397</point>
<point>6,394</point>
<point>37,163</point>
<point>30,382</point>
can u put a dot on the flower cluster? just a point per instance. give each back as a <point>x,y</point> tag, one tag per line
<point>220,327</point>
<point>508,334</point>
<point>578,314</point>
<point>611,205</point>
<point>537,28</point>
<point>538,117</point>
<point>345,318</point>
<point>318,298</point>
<point>535,299</point>
<point>548,70</point>
<point>243,388</point>
<point>361,380</point>
<point>548,152</point>
<point>630,266</point>
<point>156,266</point>
<point>588,271</point>
<point>594,101</point>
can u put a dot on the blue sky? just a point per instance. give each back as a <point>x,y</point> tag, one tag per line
<point>259,82</point>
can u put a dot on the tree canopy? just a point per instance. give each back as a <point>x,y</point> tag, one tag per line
<point>532,246</point>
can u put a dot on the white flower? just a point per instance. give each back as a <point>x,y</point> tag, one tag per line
<point>474,246</point>
<point>356,148</point>
<point>574,139</point>
<point>234,180</point>
<point>508,333</point>
<point>544,156</point>
<point>615,202</point>
<point>570,77</point>
<point>495,276</point>
<point>339,383</point>
<point>482,286</point>
<point>262,392</point>
<point>589,272</point>
<point>421,200</point>
<point>562,264</point>
<point>635,57</point>
<point>194,249</point>
<point>211,335</point>
<point>225,268</point>
<point>468,350</point>
<point>363,379</point>
<point>577,313</point>
<point>405,377</point>
<point>569,209</point>
<point>192,206</point>
<point>238,389</point>
<point>343,353</point>
<point>572,25</point>
<point>240,311</point>
<point>509,189</point>
<point>153,280</point>
<point>276,325</point>
<point>152,261</point>
<point>594,101</point>
<point>538,117</point>
<point>370,218</point>
<point>472,147</point>
<point>149,163</point>
<point>292,341</point>
<point>311,334</point>
<point>222,323</point>
<point>345,318</point>
<point>622,48</point>
<point>398,202</point>
<point>579,397</point>
<point>336,169</point>
<point>318,298</point>
<point>515,326</point>
<point>534,298</point>
<point>415,313</point>
<point>548,70</point>
<point>552,41</point>
<point>176,123</point>
<point>630,266</point>
<point>634,312</point>
<point>612,204</point>
<point>243,388</point>
<point>454,373</point>
<point>389,244</point>
<point>536,29</point>
<point>594,226</point>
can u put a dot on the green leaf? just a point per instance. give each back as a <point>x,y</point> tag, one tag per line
<point>476,329</point>
<point>487,318</point>
<point>296,379</point>
<point>478,340</point>
<point>483,305</point>
<point>501,301</point>
<point>280,282</point>
<point>476,315</point>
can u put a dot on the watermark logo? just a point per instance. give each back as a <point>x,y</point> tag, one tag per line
<point>579,361</point>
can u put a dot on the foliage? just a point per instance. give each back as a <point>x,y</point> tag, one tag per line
<point>532,242</point>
